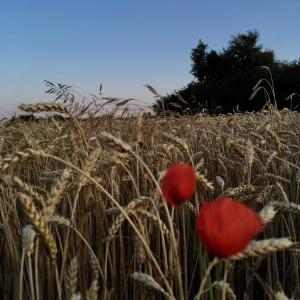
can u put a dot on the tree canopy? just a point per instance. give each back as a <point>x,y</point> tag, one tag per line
<point>224,79</point>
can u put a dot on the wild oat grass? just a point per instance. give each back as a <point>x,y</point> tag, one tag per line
<point>84,195</point>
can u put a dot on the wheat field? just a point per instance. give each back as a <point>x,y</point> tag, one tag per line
<point>82,216</point>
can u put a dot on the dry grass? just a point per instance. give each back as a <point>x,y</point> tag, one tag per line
<point>99,228</point>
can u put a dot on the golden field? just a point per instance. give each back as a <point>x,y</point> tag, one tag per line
<point>82,217</point>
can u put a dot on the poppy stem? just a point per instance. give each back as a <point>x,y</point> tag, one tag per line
<point>208,270</point>
<point>226,268</point>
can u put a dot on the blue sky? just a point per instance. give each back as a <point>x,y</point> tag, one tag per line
<point>126,44</point>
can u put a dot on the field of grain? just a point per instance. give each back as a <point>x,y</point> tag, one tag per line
<point>82,216</point>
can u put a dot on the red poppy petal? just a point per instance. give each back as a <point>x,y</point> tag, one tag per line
<point>226,226</point>
<point>179,184</point>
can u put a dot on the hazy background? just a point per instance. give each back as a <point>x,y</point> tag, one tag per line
<point>125,44</point>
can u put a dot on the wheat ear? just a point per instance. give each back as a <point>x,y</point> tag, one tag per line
<point>71,277</point>
<point>41,107</point>
<point>280,296</point>
<point>114,143</point>
<point>56,193</point>
<point>39,224</point>
<point>150,282</point>
<point>156,220</point>
<point>229,291</point>
<point>28,236</point>
<point>239,190</point>
<point>88,167</point>
<point>28,189</point>
<point>207,186</point>
<point>76,297</point>
<point>20,156</point>
<point>257,248</point>
<point>178,141</point>
<point>130,208</point>
<point>268,213</point>
<point>286,206</point>
<point>92,293</point>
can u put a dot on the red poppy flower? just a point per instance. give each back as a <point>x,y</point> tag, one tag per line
<point>179,184</point>
<point>226,226</point>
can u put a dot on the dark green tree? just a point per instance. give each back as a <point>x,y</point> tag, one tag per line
<point>243,54</point>
<point>224,79</point>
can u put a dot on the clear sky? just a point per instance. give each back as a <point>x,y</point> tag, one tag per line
<point>126,44</point>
